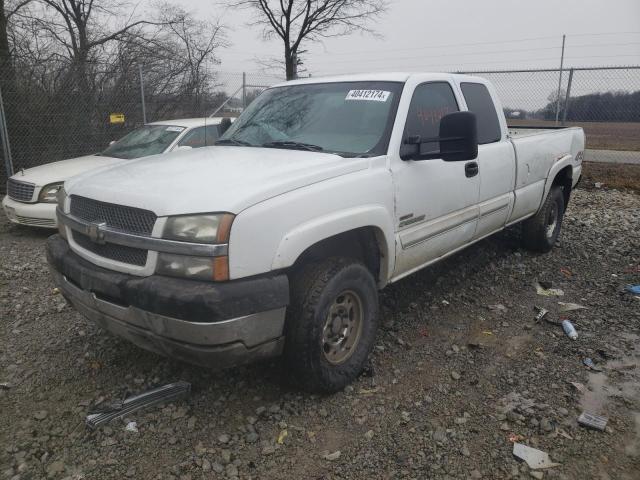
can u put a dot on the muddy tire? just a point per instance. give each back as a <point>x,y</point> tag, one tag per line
<point>540,232</point>
<point>331,324</point>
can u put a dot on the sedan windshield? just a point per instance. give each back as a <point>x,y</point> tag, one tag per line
<point>347,118</point>
<point>147,140</point>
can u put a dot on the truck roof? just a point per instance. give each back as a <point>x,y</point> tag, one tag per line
<point>373,77</point>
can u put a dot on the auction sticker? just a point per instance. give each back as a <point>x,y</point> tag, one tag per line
<point>369,95</point>
<point>175,129</point>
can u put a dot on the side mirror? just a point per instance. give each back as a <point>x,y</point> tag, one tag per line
<point>457,139</point>
<point>225,123</point>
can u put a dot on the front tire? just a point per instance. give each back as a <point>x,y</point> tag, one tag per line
<point>540,232</point>
<point>331,324</point>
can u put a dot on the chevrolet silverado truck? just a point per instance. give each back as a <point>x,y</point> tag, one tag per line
<point>277,240</point>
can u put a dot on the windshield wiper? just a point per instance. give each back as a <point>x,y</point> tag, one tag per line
<point>293,145</point>
<point>232,141</point>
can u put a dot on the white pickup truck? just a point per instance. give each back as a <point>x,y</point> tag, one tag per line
<point>277,240</point>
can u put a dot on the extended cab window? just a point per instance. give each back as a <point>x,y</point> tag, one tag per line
<point>479,102</point>
<point>200,137</point>
<point>430,102</point>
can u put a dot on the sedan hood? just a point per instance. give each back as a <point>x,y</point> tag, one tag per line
<point>210,179</point>
<point>63,170</point>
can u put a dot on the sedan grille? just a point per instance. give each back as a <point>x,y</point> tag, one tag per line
<point>112,251</point>
<point>20,191</point>
<point>127,219</point>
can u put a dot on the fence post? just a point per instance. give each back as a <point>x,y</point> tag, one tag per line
<point>4,139</point>
<point>244,90</point>
<point>560,80</point>
<point>144,107</point>
<point>566,98</point>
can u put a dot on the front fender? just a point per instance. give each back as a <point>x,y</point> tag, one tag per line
<point>305,235</point>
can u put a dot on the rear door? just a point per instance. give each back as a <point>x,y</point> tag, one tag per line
<point>436,201</point>
<point>496,158</point>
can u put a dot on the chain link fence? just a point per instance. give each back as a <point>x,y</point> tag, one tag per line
<point>46,124</point>
<point>604,101</point>
<point>42,125</point>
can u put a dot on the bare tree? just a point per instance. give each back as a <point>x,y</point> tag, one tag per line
<point>300,21</point>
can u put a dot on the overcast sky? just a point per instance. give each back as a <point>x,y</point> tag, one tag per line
<point>445,35</point>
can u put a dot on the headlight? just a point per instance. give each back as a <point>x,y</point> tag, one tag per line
<point>206,228</point>
<point>49,193</point>
<point>196,268</point>
<point>209,228</point>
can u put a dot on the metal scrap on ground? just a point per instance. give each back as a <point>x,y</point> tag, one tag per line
<point>152,397</point>
<point>536,459</point>
<point>590,420</point>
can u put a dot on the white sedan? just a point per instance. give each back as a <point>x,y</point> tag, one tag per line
<point>31,193</point>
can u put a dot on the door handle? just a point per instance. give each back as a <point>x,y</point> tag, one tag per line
<point>471,169</point>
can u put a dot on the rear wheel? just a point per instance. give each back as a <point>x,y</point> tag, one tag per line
<point>331,323</point>
<point>540,232</point>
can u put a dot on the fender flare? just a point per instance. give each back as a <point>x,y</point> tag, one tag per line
<point>562,163</point>
<point>303,236</point>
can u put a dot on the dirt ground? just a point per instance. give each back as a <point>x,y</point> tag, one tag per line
<point>600,135</point>
<point>460,370</point>
<point>611,175</point>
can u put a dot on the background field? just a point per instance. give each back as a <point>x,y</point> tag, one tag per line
<point>600,135</point>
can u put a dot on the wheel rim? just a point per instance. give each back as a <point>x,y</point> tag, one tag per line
<point>552,221</point>
<point>342,327</point>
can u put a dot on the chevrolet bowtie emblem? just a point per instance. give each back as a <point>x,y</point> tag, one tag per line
<point>96,232</point>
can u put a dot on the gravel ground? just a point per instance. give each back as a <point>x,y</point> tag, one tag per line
<point>461,369</point>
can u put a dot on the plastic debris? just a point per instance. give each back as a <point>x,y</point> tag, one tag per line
<point>548,291</point>
<point>131,427</point>
<point>536,459</point>
<point>633,289</point>
<point>498,307</point>
<point>590,420</point>
<point>283,434</point>
<point>514,437</point>
<point>569,329</point>
<point>137,402</point>
<point>590,365</point>
<point>540,313</point>
<point>569,307</point>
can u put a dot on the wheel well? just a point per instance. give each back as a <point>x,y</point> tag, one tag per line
<point>564,179</point>
<point>362,244</point>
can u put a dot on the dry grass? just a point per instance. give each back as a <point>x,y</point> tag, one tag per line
<point>611,175</point>
<point>600,135</point>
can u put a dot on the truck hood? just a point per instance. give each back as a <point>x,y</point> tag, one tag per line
<point>210,179</point>
<point>63,170</point>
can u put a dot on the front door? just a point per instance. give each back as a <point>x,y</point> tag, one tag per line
<point>436,201</point>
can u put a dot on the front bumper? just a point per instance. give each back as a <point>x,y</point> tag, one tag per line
<point>30,214</point>
<point>210,324</point>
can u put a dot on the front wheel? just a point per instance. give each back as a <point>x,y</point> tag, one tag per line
<point>540,232</point>
<point>331,324</point>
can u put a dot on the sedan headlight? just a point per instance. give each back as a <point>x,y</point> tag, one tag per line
<point>209,228</point>
<point>206,228</point>
<point>49,193</point>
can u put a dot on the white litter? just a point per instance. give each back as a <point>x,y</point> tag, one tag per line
<point>536,459</point>
<point>131,427</point>
<point>568,307</point>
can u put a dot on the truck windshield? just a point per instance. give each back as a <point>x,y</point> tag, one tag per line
<point>144,141</point>
<point>347,118</point>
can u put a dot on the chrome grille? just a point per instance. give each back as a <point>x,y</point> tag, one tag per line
<point>112,251</point>
<point>20,191</point>
<point>120,217</point>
